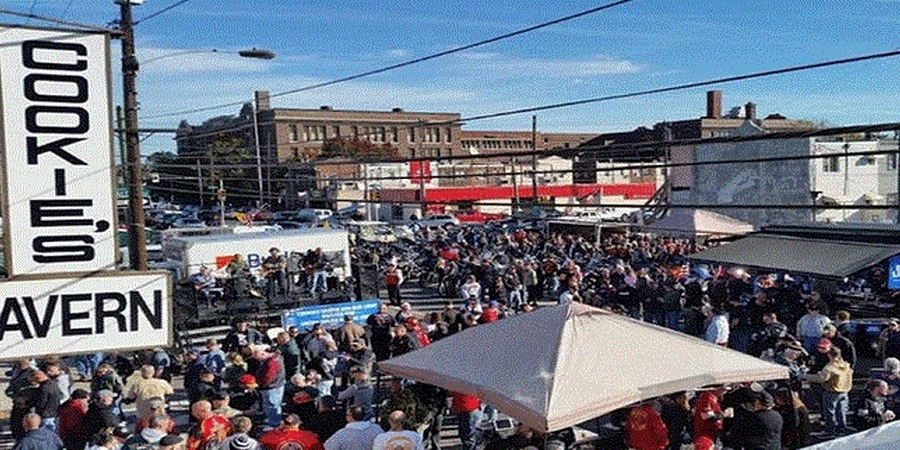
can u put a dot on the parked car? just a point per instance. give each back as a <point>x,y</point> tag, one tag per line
<point>439,220</point>
<point>189,222</point>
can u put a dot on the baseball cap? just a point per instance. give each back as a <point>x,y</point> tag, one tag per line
<point>240,442</point>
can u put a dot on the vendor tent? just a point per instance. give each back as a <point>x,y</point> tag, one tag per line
<point>559,366</point>
<point>885,437</point>
<point>824,257</point>
<point>699,222</point>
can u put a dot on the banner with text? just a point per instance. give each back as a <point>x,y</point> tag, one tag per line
<point>57,151</point>
<point>329,316</point>
<point>894,273</point>
<point>97,313</point>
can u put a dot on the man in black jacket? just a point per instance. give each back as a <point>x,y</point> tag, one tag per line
<point>102,414</point>
<point>848,350</point>
<point>756,425</point>
<point>48,400</point>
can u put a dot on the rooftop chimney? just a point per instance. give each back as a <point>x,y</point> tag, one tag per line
<point>262,100</point>
<point>750,111</point>
<point>714,104</point>
<point>397,110</point>
<point>325,108</point>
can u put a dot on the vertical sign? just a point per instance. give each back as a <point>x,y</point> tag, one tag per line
<point>59,209</point>
<point>894,273</point>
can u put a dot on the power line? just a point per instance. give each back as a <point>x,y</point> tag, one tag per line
<point>59,21</point>
<point>66,9</point>
<point>31,10</point>
<point>162,11</point>
<point>404,63</point>
<point>620,149</point>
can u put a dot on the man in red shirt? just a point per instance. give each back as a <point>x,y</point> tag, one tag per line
<point>289,436</point>
<point>491,313</point>
<point>70,420</point>
<point>708,415</point>
<point>468,414</point>
<point>646,430</point>
<point>210,427</point>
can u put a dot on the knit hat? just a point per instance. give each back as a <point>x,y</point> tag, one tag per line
<point>240,442</point>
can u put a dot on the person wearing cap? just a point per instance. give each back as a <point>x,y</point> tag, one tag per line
<point>270,376</point>
<point>107,378</point>
<point>169,442</point>
<point>397,437</point>
<point>209,428</point>
<point>37,437</point>
<point>240,439</point>
<point>755,424</point>
<point>358,434</point>
<point>102,413</point>
<point>811,326</point>
<point>404,313</point>
<point>360,393</point>
<point>289,435</point>
<point>848,350</point>
<point>837,381</point>
<point>148,386</point>
<point>349,332</point>
<point>149,438</point>
<point>246,398</point>
<point>70,420</point>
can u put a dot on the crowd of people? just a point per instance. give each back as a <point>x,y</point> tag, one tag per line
<point>311,389</point>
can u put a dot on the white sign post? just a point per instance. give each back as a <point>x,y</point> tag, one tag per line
<point>64,294</point>
<point>59,211</point>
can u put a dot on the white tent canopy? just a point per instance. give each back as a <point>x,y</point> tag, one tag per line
<point>559,366</point>
<point>698,222</point>
<point>885,437</point>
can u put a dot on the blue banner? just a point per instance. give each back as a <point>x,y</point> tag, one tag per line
<point>894,273</point>
<point>330,316</point>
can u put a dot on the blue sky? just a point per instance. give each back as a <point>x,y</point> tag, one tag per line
<point>640,45</point>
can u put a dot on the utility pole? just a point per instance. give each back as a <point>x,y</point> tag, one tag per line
<point>199,183</point>
<point>534,193</point>
<point>259,177</point>
<point>897,168</point>
<point>137,248</point>
<point>422,205</point>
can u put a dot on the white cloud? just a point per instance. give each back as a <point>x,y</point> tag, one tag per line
<point>505,66</point>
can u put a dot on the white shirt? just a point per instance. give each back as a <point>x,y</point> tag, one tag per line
<point>398,440</point>
<point>355,436</point>
<point>717,331</point>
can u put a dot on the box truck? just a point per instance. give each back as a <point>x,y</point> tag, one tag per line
<point>185,255</point>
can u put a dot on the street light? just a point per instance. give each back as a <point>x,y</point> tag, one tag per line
<point>254,53</point>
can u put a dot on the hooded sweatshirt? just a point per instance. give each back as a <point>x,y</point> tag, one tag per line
<point>838,376</point>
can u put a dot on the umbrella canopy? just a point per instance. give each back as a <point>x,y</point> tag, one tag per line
<point>559,366</point>
<point>885,437</point>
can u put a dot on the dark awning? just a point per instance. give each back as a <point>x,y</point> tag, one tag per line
<point>799,255</point>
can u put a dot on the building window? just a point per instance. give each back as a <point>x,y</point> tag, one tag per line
<point>449,136</point>
<point>412,135</point>
<point>321,135</point>
<point>831,164</point>
<point>381,135</point>
<point>892,161</point>
<point>295,152</point>
<point>395,134</point>
<point>293,132</point>
<point>412,153</point>
<point>354,131</point>
<point>305,136</point>
<point>336,131</point>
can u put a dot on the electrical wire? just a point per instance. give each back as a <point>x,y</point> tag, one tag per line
<point>59,21</point>
<point>621,149</point>
<point>407,62</point>
<point>162,11</point>
<point>66,9</point>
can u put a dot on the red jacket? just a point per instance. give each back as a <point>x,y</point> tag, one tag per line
<point>646,430</point>
<point>298,439</point>
<point>707,402</point>
<point>463,403</point>
<point>69,418</point>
